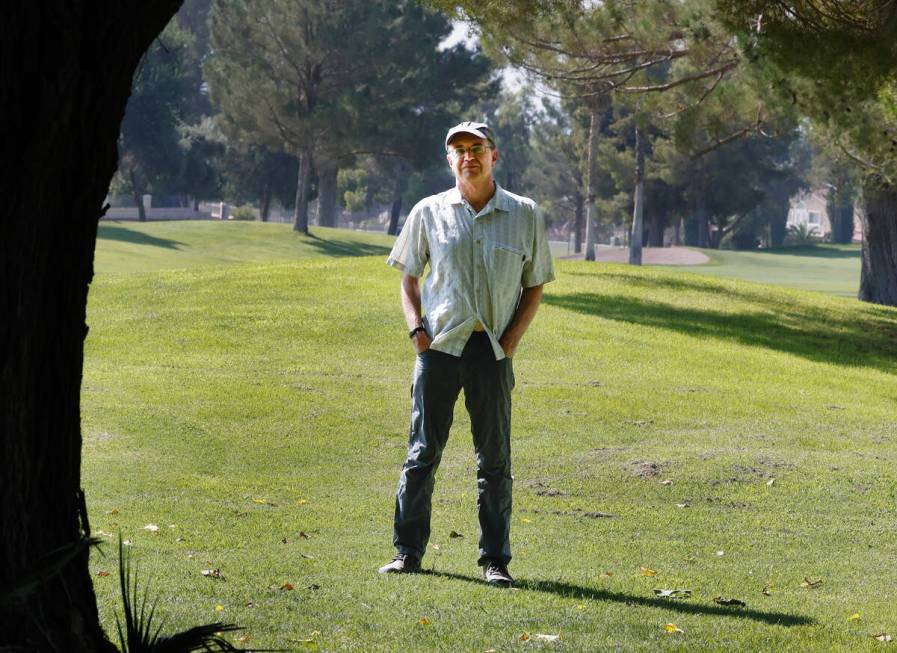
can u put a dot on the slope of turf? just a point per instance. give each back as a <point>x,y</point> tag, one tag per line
<point>832,269</point>
<point>151,246</point>
<point>671,431</point>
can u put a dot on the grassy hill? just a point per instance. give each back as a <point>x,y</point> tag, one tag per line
<point>833,269</point>
<point>671,431</point>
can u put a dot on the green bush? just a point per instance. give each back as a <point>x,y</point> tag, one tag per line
<point>245,212</point>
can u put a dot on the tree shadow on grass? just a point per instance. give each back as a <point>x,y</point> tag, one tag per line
<point>569,590</point>
<point>867,338</point>
<point>122,234</point>
<point>334,247</point>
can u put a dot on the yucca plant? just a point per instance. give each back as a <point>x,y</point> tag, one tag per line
<point>138,634</point>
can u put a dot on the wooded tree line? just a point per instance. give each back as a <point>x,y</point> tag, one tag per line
<point>347,102</point>
<point>679,83</point>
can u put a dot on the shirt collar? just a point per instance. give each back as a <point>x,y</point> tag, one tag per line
<point>499,200</point>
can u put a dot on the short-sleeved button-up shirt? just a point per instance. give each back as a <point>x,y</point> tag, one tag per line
<point>479,262</point>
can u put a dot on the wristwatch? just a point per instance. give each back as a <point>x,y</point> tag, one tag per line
<point>415,330</point>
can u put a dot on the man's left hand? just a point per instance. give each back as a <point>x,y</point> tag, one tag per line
<point>509,344</point>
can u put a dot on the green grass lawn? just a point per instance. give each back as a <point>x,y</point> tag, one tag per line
<point>739,438</point>
<point>833,269</point>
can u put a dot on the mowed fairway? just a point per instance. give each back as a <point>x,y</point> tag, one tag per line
<point>671,431</point>
<point>833,269</point>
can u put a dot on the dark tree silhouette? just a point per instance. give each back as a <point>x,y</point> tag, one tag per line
<point>65,75</point>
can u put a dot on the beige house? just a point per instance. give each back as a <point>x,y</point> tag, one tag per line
<point>809,208</point>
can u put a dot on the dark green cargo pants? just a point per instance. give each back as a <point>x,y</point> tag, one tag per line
<point>487,384</point>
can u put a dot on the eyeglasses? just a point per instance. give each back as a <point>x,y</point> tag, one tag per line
<point>477,150</point>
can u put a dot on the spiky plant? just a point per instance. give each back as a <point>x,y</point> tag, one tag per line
<point>139,634</point>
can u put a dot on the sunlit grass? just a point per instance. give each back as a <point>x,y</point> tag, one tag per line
<point>740,438</point>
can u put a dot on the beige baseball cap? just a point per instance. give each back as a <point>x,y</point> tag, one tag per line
<point>478,129</point>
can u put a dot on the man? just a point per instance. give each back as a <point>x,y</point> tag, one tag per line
<point>488,259</point>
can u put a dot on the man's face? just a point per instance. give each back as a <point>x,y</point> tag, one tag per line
<point>471,167</point>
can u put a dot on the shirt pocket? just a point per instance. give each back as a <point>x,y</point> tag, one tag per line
<point>505,264</point>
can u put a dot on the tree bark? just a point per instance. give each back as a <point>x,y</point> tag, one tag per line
<point>635,241</point>
<point>592,190</point>
<point>303,185</point>
<point>878,272</point>
<point>578,223</point>
<point>395,211</point>
<point>138,196</point>
<point>327,196</point>
<point>265,211</point>
<point>67,70</point>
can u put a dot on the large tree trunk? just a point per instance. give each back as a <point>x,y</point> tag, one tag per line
<point>401,180</point>
<point>577,223</point>
<point>878,274</point>
<point>591,190</point>
<point>303,186</point>
<point>778,227</point>
<point>327,196</point>
<point>138,196</point>
<point>66,70</point>
<point>635,241</point>
<point>265,211</point>
<point>656,225</point>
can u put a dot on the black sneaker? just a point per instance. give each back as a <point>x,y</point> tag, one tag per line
<point>496,573</point>
<point>401,564</point>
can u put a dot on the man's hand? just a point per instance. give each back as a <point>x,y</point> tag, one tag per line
<point>421,341</point>
<point>526,311</point>
<point>509,344</point>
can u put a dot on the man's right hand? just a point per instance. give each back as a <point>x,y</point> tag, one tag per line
<point>421,341</point>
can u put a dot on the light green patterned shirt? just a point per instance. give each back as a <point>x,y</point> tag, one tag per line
<point>479,262</point>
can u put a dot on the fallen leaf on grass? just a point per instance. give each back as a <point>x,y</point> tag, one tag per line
<point>302,535</point>
<point>243,639</point>
<point>312,636</point>
<point>306,556</point>
<point>811,583</point>
<point>219,608</point>
<point>102,533</point>
<point>102,573</point>
<point>733,602</point>
<point>287,587</point>
<point>524,637</point>
<point>435,546</point>
<point>423,621</point>
<point>114,511</point>
<point>666,481</point>
<point>301,502</point>
<point>770,482</point>
<point>455,534</point>
<point>683,505</point>
<point>213,573</point>
<point>854,617</point>
<point>547,638</point>
<point>526,520</point>
<point>672,593</point>
<point>263,502</point>
<point>647,571</point>
<point>607,574</point>
<point>882,637</point>
<point>673,628</point>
